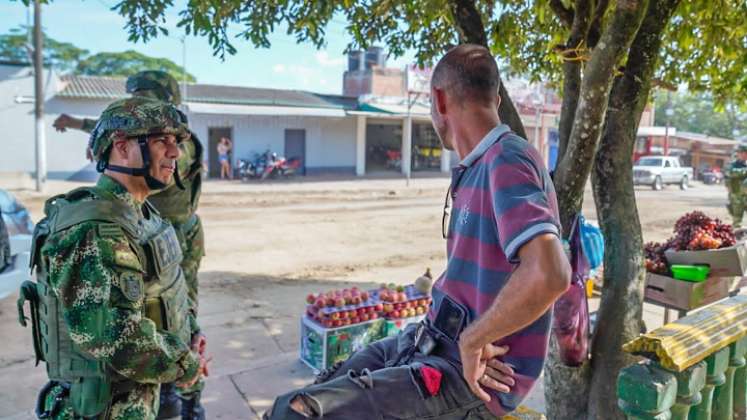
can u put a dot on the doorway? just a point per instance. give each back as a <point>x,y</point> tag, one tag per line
<point>295,147</point>
<point>214,136</point>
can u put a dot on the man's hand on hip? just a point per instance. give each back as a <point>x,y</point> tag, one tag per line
<point>480,369</point>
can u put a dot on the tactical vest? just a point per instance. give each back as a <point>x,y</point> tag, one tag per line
<point>176,205</point>
<point>166,301</point>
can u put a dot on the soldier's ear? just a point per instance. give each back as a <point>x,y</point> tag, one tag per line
<point>120,148</point>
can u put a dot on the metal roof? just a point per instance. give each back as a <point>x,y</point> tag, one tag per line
<point>96,87</point>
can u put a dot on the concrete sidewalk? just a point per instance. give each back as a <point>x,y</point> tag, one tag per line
<point>253,336</point>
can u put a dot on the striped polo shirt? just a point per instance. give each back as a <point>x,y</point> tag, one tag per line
<point>502,198</point>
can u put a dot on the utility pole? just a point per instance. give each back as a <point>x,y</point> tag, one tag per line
<point>184,69</point>
<point>41,154</point>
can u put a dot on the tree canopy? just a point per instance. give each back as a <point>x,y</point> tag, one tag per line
<point>68,58</point>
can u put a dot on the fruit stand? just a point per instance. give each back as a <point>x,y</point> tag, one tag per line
<point>340,322</point>
<point>701,264</point>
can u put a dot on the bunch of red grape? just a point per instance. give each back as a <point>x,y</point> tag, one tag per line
<point>693,232</point>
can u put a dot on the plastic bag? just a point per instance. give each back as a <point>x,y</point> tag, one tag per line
<point>571,310</point>
<point>592,242</point>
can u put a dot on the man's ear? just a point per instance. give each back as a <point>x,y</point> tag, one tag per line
<point>121,146</point>
<point>439,96</point>
<point>497,101</point>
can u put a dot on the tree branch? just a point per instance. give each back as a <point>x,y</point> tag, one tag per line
<point>574,168</point>
<point>564,14</point>
<point>619,316</point>
<point>471,30</point>
<point>595,28</point>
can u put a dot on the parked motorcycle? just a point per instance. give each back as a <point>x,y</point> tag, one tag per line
<point>267,165</point>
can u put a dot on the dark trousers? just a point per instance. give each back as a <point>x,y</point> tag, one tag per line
<point>373,384</point>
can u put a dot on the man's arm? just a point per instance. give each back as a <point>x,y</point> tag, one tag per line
<point>541,277</point>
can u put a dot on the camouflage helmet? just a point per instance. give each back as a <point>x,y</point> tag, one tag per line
<point>135,117</point>
<point>741,148</point>
<point>155,84</point>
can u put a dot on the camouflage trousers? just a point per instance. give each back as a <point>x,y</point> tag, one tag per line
<point>140,403</point>
<point>737,206</point>
<point>192,239</point>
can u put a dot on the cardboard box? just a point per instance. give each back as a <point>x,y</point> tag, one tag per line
<point>724,262</point>
<point>685,295</point>
<point>322,347</point>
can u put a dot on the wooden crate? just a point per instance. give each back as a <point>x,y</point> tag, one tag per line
<point>685,295</point>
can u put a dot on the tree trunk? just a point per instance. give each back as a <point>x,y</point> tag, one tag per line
<point>619,318</point>
<point>565,385</point>
<point>472,31</point>
<point>574,168</point>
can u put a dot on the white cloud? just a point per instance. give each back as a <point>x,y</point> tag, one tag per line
<point>324,60</point>
<point>278,68</point>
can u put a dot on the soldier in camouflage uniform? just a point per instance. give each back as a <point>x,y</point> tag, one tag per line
<point>736,183</point>
<point>110,310</point>
<point>178,204</point>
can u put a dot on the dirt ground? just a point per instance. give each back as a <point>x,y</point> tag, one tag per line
<point>268,245</point>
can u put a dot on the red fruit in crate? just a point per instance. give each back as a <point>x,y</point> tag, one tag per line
<point>356,300</point>
<point>398,307</point>
<point>319,303</point>
<point>365,317</point>
<point>364,295</point>
<point>339,302</point>
<point>361,311</point>
<point>384,296</point>
<point>329,301</point>
<point>310,299</point>
<point>346,321</point>
<point>395,314</point>
<point>342,314</point>
<point>352,314</point>
<point>407,304</point>
<point>423,302</point>
<point>337,323</point>
<point>374,316</point>
<point>370,309</point>
<point>402,296</point>
<point>327,323</point>
<point>379,307</point>
<point>334,315</point>
<point>355,320</point>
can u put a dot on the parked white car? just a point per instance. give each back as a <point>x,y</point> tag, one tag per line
<point>658,171</point>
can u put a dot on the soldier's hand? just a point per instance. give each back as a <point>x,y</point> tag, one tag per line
<point>62,123</point>
<point>89,154</point>
<point>193,365</point>
<point>199,343</point>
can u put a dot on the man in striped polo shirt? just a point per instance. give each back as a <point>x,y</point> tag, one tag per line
<point>483,344</point>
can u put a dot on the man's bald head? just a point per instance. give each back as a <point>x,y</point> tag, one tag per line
<point>468,72</point>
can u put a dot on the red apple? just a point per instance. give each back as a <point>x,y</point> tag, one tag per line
<point>346,321</point>
<point>356,300</point>
<point>395,314</point>
<point>374,316</point>
<point>355,320</point>
<point>361,311</point>
<point>329,301</point>
<point>379,307</point>
<point>365,317</point>
<point>319,303</point>
<point>364,295</point>
<point>370,309</point>
<point>334,315</point>
<point>337,323</point>
<point>310,299</point>
<point>327,323</point>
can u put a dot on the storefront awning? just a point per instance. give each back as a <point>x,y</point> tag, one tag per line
<point>203,108</point>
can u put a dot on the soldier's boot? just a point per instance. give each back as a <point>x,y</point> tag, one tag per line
<point>170,403</point>
<point>192,408</point>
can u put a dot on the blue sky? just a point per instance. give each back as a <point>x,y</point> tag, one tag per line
<point>91,25</point>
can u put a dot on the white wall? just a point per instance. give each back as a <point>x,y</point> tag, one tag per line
<point>65,151</point>
<point>330,142</point>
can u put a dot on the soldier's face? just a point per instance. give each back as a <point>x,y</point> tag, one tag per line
<point>164,151</point>
<point>742,155</point>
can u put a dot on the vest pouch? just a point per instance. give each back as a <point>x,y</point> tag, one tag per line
<point>155,310</point>
<point>90,396</point>
<point>175,307</point>
<point>165,252</point>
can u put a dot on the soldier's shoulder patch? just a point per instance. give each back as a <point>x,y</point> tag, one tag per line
<point>131,285</point>
<point>110,230</point>
<point>124,256</point>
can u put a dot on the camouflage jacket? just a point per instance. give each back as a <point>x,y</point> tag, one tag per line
<point>104,322</point>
